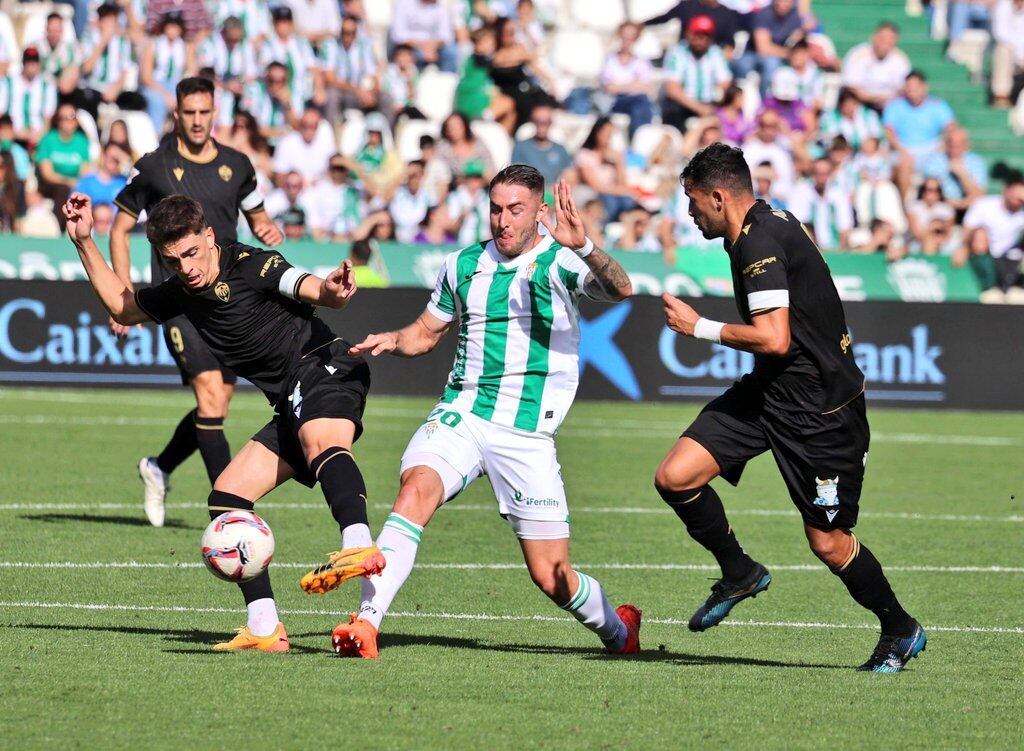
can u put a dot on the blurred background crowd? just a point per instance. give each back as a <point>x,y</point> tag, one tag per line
<point>384,119</point>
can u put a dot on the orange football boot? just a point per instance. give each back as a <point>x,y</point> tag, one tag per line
<point>357,638</point>
<point>630,616</point>
<point>246,639</point>
<point>341,566</point>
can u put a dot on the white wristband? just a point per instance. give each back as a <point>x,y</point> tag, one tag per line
<point>709,330</point>
<point>586,250</point>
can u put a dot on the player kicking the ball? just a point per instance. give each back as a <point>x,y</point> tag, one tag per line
<point>514,378</point>
<point>256,313</point>
<point>804,401</point>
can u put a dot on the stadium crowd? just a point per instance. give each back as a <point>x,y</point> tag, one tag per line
<point>379,120</point>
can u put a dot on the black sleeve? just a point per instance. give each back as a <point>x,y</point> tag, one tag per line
<point>671,13</point>
<point>763,272</point>
<point>159,302</point>
<point>270,272</point>
<point>135,196</point>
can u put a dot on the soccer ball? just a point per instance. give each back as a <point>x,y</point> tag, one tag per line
<point>237,546</point>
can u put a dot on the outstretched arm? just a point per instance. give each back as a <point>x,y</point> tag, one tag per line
<point>418,338</point>
<point>333,292</point>
<point>768,335</point>
<point>112,292</point>
<point>608,280</point>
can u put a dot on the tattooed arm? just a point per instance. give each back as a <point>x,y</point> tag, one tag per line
<point>608,281</point>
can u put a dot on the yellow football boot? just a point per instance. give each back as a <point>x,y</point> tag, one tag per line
<point>341,566</point>
<point>246,639</point>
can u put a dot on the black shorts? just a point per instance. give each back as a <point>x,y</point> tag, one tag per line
<point>821,457</point>
<point>190,352</point>
<point>328,382</point>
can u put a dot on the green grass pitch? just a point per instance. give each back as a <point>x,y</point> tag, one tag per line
<point>107,623</point>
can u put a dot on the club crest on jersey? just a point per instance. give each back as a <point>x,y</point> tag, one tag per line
<point>223,291</point>
<point>225,172</point>
<point>828,492</point>
<point>178,172</point>
<point>530,270</point>
<point>430,428</point>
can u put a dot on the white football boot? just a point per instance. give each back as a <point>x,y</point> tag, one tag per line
<point>156,486</point>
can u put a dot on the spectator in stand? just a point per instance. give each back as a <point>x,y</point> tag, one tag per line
<point>103,219</point>
<point>810,83</point>
<point>764,179</point>
<point>879,237</point>
<point>293,223</point>
<point>852,120</point>
<point>460,147</point>
<point>245,136</point>
<point>727,24</point>
<point>766,144</point>
<point>602,168</point>
<point>548,157</point>
<point>592,214</point>
<point>271,102</point>
<point>61,158</point>
<point>195,18</point>
<point>825,208</point>
<point>426,27</point>
<point>1008,56</point>
<point>639,232</point>
<point>59,55</point>
<point>629,79</point>
<point>253,14</point>
<point>118,134</point>
<point>165,60</point>
<point>104,183</point>
<point>19,155</point>
<point>776,29</point>
<point>366,277</point>
<point>796,117</point>
<point>379,167</point>
<point>12,196</point>
<point>107,60</point>
<point>304,77</point>
<point>932,221</point>
<point>434,228</point>
<point>305,150</point>
<point>876,70</point>
<point>436,175</point>
<point>993,228</point>
<point>33,98</point>
<point>968,14</point>
<point>290,195</point>
<point>232,58</point>
<point>468,206</point>
<point>476,94</point>
<point>316,20</point>
<point>914,125</point>
<point>333,205</point>
<point>398,85</point>
<point>696,75</point>
<point>529,31</point>
<point>962,174</point>
<point>515,72</point>
<point>351,70</point>
<point>735,124</point>
<point>378,225</point>
<point>410,203</point>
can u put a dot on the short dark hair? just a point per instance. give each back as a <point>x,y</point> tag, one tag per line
<point>362,249</point>
<point>918,74</point>
<point>520,174</point>
<point>719,166</point>
<point>888,25</point>
<point>173,218</point>
<point>193,85</point>
<point>51,16</point>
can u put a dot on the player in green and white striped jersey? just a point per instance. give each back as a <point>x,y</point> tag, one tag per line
<point>513,381</point>
<point>696,74</point>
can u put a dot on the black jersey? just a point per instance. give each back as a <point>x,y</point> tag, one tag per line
<point>222,185</point>
<point>776,264</point>
<point>250,317</point>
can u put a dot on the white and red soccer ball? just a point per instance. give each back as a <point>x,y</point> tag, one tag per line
<point>237,546</point>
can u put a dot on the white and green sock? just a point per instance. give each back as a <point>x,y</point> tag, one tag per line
<point>398,541</point>
<point>590,607</point>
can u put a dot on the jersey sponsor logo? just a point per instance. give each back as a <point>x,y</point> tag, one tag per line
<point>845,342</point>
<point>225,172</point>
<point>178,172</point>
<point>757,267</point>
<point>223,291</point>
<point>273,262</point>
<point>526,500</point>
<point>828,492</point>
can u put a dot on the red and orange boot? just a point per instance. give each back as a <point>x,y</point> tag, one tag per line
<point>357,638</point>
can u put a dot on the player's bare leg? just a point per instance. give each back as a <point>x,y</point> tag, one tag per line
<point>253,473</point>
<point>682,481</point>
<point>581,595</point>
<point>902,637</point>
<point>420,495</point>
<point>327,446</point>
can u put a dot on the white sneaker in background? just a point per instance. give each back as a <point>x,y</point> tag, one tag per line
<point>156,487</point>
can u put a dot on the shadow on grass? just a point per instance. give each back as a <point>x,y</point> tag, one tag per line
<point>131,521</point>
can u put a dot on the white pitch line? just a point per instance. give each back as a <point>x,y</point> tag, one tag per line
<point>489,617</point>
<point>274,506</point>
<point>100,565</point>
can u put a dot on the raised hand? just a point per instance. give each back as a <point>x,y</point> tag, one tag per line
<point>268,234</point>
<point>569,231</point>
<point>340,284</point>
<point>375,344</point>
<point>679,316</point>
<point>78,212</point>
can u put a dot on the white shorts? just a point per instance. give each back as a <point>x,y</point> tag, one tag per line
<point>523,468</point>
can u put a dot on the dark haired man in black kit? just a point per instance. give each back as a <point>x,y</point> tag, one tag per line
<point>804,402</point>
<point>189,162</point>
<point>255,312</point>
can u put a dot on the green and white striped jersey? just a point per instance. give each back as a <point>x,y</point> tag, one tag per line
<point>704,77</point>
<point>517,357</point>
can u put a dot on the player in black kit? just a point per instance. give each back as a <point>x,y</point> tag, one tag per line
<point>804,402</point>
<point>255,312</point>
<point>189,162</point>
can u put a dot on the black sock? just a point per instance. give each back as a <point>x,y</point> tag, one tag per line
<point>864,577</point>
<point>342,485</point>
<point>219,502</point>
<point>181,445</point>
<point>704,516</point>
<point>213,446</point>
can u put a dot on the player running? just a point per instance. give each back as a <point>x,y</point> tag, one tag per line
<point>256,314</point>
<point>804,401</point>
<point>515,374</point>
<point>189,162</point>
